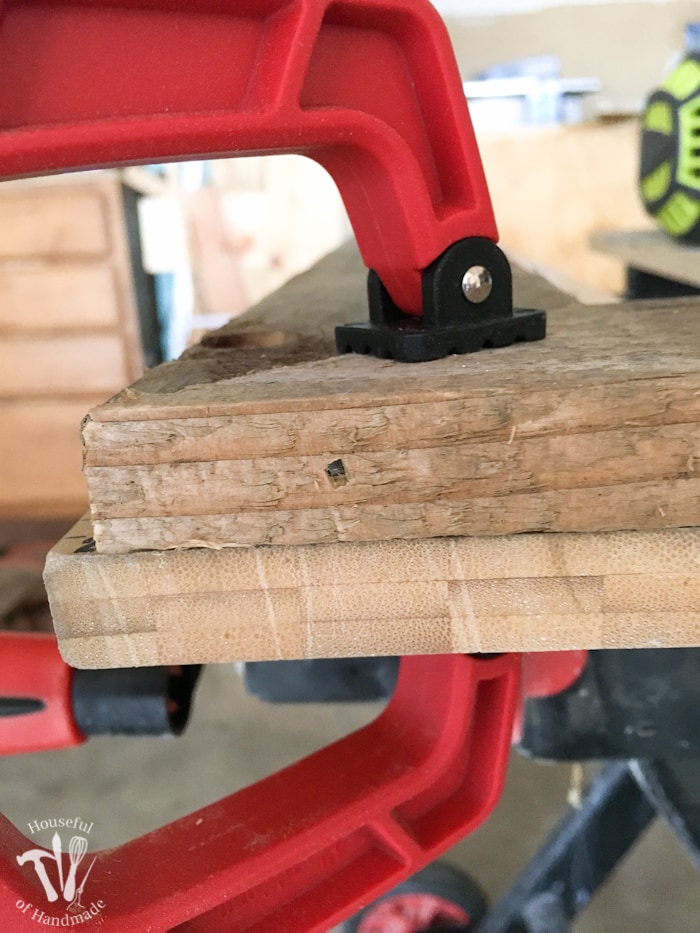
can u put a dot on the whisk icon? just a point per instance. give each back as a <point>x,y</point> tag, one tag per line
<point>77,847</point>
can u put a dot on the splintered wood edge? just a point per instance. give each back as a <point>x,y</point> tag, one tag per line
<point>530,592</point>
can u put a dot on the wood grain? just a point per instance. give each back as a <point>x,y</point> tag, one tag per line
<point>529,592</point>
<point>593,429</point>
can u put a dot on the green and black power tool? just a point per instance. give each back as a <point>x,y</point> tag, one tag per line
<point>669,177</point>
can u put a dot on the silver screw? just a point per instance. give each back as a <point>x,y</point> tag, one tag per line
<point>477,284</point>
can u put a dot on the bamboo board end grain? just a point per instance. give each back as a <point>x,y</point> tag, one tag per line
<point>531,592</point>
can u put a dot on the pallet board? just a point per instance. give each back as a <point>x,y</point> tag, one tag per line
<point>530,592</point>
<point>262,435</point>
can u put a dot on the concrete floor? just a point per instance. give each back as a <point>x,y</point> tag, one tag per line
<point>127,787</point>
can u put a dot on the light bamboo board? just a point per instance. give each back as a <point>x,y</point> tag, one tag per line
<point>530,592</point>
<point>240,442</point>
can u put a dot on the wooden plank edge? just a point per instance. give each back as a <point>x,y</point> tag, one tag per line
<point>520,593</point>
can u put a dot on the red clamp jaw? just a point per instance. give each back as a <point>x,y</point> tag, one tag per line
<point>309,846</point>
<point>36,710</point>
<point>368,88</point>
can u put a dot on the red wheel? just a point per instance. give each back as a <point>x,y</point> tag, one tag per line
<point>438,898</point>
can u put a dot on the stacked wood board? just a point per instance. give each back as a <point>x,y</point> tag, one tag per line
<point>531,592</point>
<point>262,435</point>
<point>319,481</point>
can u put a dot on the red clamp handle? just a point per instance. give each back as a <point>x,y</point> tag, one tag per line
<point>310,845</point>
<point>368,88</point>
<point>36,705</point>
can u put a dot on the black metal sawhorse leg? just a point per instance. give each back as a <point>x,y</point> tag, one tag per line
<point>562,877</point>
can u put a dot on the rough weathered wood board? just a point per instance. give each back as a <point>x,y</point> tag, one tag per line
<point>521,592</point>
<point>593,429</point>
<point>652,251</point>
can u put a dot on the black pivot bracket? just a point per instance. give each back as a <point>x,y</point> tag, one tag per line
<point>467,306</point>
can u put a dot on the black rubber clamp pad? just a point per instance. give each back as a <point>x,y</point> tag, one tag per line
<point>450,323</point>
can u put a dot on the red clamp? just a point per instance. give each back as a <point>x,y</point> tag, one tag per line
<point>368,88</point>
<point>310,845</point>
<point>36,704</point>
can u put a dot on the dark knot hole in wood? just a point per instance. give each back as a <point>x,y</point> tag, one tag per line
<point>335,471</point>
